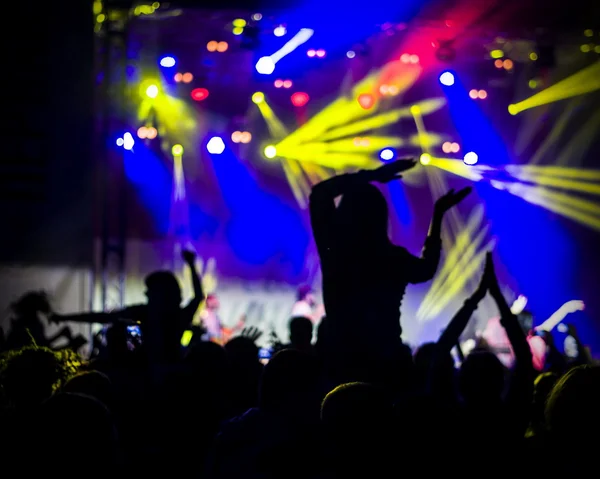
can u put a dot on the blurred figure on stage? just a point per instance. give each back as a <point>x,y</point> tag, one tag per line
<point>215,331</point>
<point>306,305</point>
<point>495,337</point>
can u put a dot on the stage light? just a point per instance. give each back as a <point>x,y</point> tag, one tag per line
<point>311,53</point>
<point>258,97</point>
<point>236,136</point>
<point>498,63</point>
<point>588,32</point>
<point>120,141</point>
<point>532,84</point>
<point>454,147</point>
<point>405,58</point>
<point>222,47</point>
<point>513,110</point>
<point>152,91</point>
<point>299,98</point>
<point>212,46</point>
<point>178,77</point>
<point>151,133</point>
<point>278,83</point>
<point>447,79</point>
<point>447,147</point>
<point>387,154</point>
<point>128,141</point>
<point>471,158</point>
<point>414,59</point>
<point>350,54</point>
<point>358,141</point>
<point>496,53</point>
<point>320,53</point>
<point>246,137</point>
<point>265,66</point>
<point>384,89</point>
<point>239,22</point>
<point>215,145</point>
<point>533,56</point>
<point>177,150</point>
<point>425,159</point>
<point>482,94</point>
<point>270,152</point>
<point>238,30</point>
<point>279,31</point>
<point>167,62</point>
<point>474,94</point>
<point>508,64</point>
<point>257,17</point>
<point>366,101</point>
<point>585,48</point>
<point>287,84</point>
<point>142,132</point>
<point>187,77</point>
<point>199,94</point>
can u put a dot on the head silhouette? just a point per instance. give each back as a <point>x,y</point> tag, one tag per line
<point>481,378</point>
<point>363,215</point>
<point>301,332</point>
<point>163,288</point>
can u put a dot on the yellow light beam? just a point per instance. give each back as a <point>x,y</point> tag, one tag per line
<point>554,171</point>
<point>584,81</point>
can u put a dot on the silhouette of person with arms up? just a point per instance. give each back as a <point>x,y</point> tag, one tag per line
<point>162,320</point>
<point>364,274</point>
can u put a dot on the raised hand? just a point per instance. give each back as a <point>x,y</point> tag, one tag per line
<point>188,256</point>
<point>391,171</point>
<point>486,279</point>
<point>251,333</point>
<point>451,199</point>
<point>490,277</point>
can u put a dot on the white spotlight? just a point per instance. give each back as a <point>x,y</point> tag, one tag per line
<point>279,31</point>
<point>265,66</point>
<point>215,145</point>
<point>128,141</point>
<point>471,158</point>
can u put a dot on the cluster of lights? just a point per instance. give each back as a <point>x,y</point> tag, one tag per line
<point>283,83</point>
<point>199,94</point>
<point>389,90</point>
<point>589,47</point>
<point>478,94</point>
<point>167,62</point>
<point>408,58</point>
<point>320,53</point>
<point>147,132</point>
<point>146,9</point>
<point>299,99</point>
<point>183,77</point>
<point>361,142</point>
<point>126,142</point>
<point>239,24</point>
<point>507,64</point>
<point>279,31</point>
<point>450,147</point>
<point>214,46</point>
<point>241,137</point>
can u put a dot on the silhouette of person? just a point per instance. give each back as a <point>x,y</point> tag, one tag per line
<point>162,320</point>
<point>364,274</point>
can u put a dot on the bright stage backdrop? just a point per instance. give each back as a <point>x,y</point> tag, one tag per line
<point>220,157</point>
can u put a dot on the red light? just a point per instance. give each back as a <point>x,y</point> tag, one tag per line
<point>366,101</point>
<point>482,94</point>
<point>287,84</point>
<point>278,83</point>
<point>199,94</point>
<point>299,99</point>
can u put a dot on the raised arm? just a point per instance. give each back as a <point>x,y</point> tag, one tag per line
<point>423,268</point>
<point>323,195</point>
<point>190,309</point>
<point>451,335</point>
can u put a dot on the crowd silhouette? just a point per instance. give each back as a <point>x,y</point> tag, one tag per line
<point>356,403</point>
